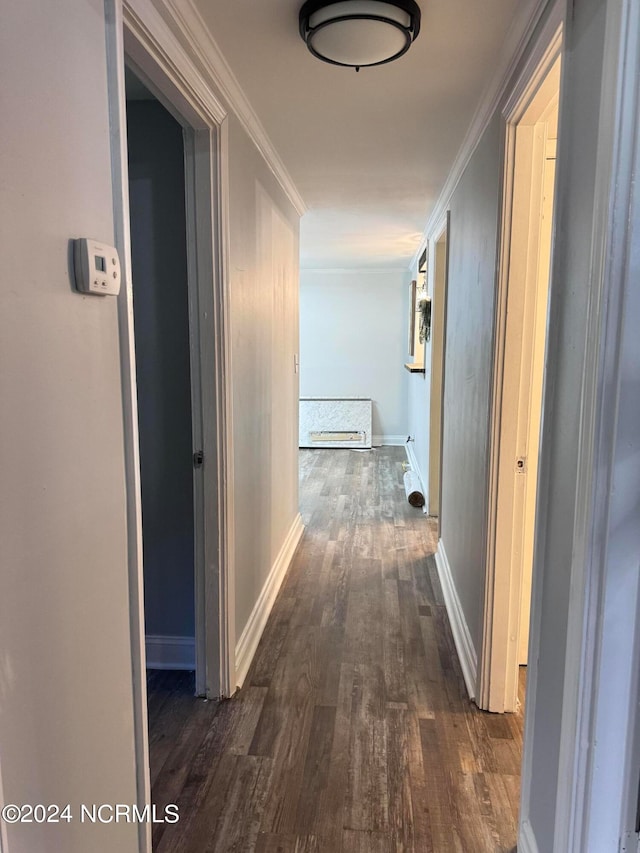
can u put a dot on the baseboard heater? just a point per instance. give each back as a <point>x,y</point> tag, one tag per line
<point>318,437</point>
<point>335,422</point>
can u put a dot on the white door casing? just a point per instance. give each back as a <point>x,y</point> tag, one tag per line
<point>135,29</point>
<point>517,388</point>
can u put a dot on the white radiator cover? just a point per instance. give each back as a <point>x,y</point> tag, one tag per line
<point>335,422</point>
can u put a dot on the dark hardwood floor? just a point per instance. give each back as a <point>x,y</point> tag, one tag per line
<point>353,732</point>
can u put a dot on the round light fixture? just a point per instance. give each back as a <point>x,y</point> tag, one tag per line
<point>358,33</point>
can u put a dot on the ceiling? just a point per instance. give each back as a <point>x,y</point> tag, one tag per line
<point>369,151</point>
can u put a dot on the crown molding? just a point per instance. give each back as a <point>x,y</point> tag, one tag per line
<point>187,20</point>
<point>513,49</point>
<point>151,33</point>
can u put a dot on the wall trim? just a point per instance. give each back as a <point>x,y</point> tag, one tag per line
<point>142,19</point>
<point>187,19</point>
<point>248,642</point>
<point>459,628</point>
<point>514,46</point>
<point>168,652</point>
<point>389,440</point>
<point>539,61</point>
<point>527,841</point>
<point>115,53</point>
<point>413,461</point>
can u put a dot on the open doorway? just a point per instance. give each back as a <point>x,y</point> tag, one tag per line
<point>146,46</point>
<point>521,330</point>
<point>438,336</point>
<point>150,54</point>
<point>167,409</point>
<point>198,209</point>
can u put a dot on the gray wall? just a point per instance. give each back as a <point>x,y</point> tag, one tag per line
<point>264,306</point>
<point>563,546</point>
<point>619,680</point>
<point>66,705</point>
<point>353,341</point>
<point>560,559</point>
<point>418,404</point>
<point>468,369</point>
<point>161,313</point>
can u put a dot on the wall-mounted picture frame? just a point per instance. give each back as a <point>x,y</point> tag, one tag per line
<point>424,307</point>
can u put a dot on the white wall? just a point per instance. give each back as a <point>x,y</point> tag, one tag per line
<point>419,396</point>
<point>66,704</point>
<point>569,525</point>
<point>419,399</point>
<point>353,341</point>
<point>468,367</point>
<point>618,680</point>
<point>264,307</point>
<point>580,531</point>
<point>66,707</point>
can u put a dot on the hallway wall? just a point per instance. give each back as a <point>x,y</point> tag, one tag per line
<point>264,326</point>
<point>353,341</point>
<point>578,531</point>
<point>419,397</point>
<point>468,372</point>
<point>589,521</point>
<point>66,703</point>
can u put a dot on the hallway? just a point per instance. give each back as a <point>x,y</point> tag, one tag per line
<point>353,732</point>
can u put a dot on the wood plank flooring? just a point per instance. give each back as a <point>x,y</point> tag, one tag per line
<point>352,733</point>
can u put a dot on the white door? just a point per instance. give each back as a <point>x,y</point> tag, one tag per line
<point>531,382</point>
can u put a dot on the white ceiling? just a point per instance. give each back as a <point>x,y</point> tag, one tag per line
<point>369,151</point>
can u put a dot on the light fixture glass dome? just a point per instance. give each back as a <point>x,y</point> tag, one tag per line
<point>358,33</point>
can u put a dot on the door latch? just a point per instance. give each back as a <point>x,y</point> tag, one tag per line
<point>521,464</point>
<point>198,459</point>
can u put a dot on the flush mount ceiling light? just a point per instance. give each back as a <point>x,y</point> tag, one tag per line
<point>358,33</point>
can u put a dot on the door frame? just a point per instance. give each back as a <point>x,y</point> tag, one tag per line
<point>443,230</point>
<point>135,31</point>
<point>600,755</point>
<point>4,847</point>
<point>497,688</point>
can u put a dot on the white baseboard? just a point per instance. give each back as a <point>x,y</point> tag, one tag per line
<point>165,652</point>
<point>248,642</point>
<point>413,461</point>
<point>389,440</point>
<point>527,841</point>
<point>459,628</point>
